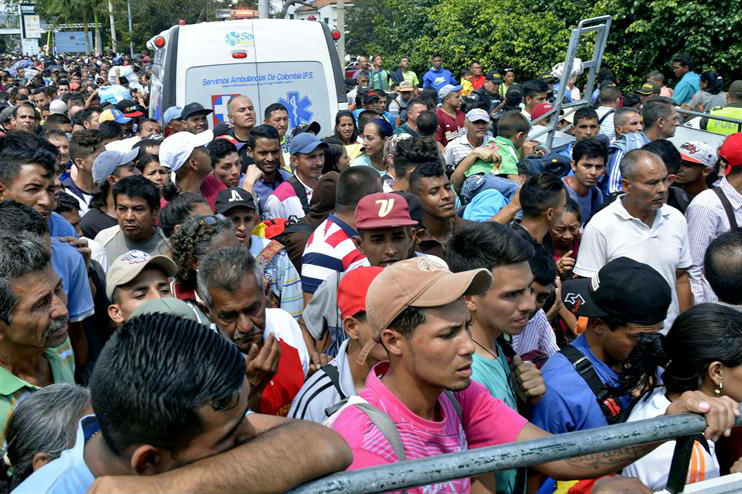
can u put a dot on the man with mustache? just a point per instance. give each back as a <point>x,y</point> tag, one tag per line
<point>230,283</point>
<point>35,350</point>
<point>640,226</point>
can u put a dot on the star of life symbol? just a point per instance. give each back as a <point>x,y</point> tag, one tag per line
<point>298,107</point>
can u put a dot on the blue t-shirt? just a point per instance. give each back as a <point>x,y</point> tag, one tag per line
<point>60,227</point>
<point>436,79</point>
<point>69,265</point>
<point>589,203</point>
<point>69,473</point>
<point>569,404</point>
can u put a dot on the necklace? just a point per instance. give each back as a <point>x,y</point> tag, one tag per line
<point>486,349</point>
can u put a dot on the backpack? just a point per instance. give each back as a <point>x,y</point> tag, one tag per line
<point>300,191</point>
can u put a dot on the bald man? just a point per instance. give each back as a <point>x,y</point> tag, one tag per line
<point>242,117</point>
<point>641,226</point>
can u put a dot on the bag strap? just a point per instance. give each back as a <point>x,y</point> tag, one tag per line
<point>386,426</point>
<point>585,369</point>
<point>727,208</point>
<point>604,116</point>
<point>301,192</point>
<point>455,402</point>
<point>332,372</point>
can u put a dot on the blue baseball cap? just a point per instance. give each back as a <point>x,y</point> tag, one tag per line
<point>446,90</point>
<point>305,143</point>
<point>172,113</point>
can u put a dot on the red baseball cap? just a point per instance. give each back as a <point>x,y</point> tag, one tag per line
<point>353,288</point>
<point>541,109</point>
<point>731,151</point>
<point>383,210</point>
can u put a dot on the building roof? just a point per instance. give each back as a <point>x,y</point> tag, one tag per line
<point>318,4</point>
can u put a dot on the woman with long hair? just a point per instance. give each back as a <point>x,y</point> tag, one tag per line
<point>346,131</point>
<point>375,134</point>
<point>702,352</point>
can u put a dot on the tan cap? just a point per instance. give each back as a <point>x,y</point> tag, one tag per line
<point>418,282</point>
<point>127,266</point>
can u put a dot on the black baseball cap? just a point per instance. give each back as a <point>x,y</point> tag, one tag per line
<point>129,108</point>
<point>234,197</point>
<point>625,289</point>
<point>494,76</point>
<point>193,109</point>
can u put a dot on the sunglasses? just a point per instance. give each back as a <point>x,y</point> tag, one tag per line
<point>211,220</point>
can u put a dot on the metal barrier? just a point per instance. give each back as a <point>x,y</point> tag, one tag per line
<point>474,462</point>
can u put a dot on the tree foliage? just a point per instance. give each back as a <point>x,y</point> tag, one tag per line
<point>532,35</point>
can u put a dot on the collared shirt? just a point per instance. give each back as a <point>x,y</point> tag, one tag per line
<point>689,85</point>
<point>264,189</point>
<point>613,233</point>
<point>284,279</point>
<point>706,221</point>
<point>116,243</point>
<point>284,203</point>
<point>69,473</point>
<point>83,198</point>
<point>459,148</point>
<point>319,393</point>
<point>330,249</point>
<point>14,389</point>
<point>449,128</point>
<point>537,335</point>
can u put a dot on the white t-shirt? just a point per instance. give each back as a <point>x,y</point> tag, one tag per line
<point>607,126</point>
<point>613,232</point>
<point>654,468</point>
<point>283,326</point>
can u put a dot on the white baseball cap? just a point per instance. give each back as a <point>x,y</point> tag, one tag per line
<point>175,150</point>
<point>58,106</point>
<point>699,152</point>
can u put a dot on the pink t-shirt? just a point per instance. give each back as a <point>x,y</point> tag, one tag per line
<point>487,421</point>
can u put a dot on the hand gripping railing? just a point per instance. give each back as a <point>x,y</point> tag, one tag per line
<point>474,462</point>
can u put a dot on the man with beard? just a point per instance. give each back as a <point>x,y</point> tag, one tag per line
<point>34,346</point>
<point>230,284</point>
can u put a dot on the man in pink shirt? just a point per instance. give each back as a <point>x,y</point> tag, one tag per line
<point>416,309</point>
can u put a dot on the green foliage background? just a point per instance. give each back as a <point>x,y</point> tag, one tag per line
<point>532,35</point>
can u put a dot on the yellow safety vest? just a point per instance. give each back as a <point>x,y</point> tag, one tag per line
<point>725,128</point>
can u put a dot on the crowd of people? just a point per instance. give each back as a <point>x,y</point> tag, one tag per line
<point>244,307</point>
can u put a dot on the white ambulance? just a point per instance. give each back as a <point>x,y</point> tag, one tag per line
<point>270,60</point>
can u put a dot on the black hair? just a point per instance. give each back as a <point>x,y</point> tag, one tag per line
<point>365,117</point>
<point>486,245</point>
<point>273,107</point>
<point>84,142</point>
<point>511,123</point>
<point>684,59</point>
<point>66,203</point>
<point>427,123</point>
<point>608,94</point>
<point>430,96</point>
<point>543,267</point>
<point>424,170</point>
<point>56,119</point>
<point>407,320</point>
<point>349,114</point>
<point>110,130</point>
<point>667,151</point>
<point>703,334</point>
<point>354,183</point>
<point>219,149</point>
<point>573,207</point>
<point>263,131</point>
<point>590,148</point>
<point>176,211</point>
<point>418,101</point>
<point>722,265</point>
<point>532,88</point>
<point>714,82</point>
<point>605,75</point>
<point>138,186</point>
<point>540,193</point>
<point>145,388</point>
<point>630,100</point>
<point>585,113</point>
<point>145,143</point>
<point>86,113</point>
<point>144,160</point>
<point>22,148</point>
<point>49,133</point>
<point>333,153</point>
<point>411,152</point>
<point>17,217</point>
<point>655,108</point>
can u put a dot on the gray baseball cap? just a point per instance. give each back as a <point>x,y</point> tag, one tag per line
<point>107,162</point>
<point>172,306</point>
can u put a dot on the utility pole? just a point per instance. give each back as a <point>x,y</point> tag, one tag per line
<point>131,36</point>
<point>113,26</point>
<point>340,26</point>
<point>264,9</point>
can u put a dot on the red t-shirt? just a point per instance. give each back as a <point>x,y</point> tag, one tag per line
<point>478,82</point>
<point>281,390</point>
<point>448,127</point>
<point>210,188</point>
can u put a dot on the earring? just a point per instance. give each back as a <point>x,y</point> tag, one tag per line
<point>718,389</point>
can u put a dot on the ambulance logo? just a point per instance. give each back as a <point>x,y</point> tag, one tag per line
<point>220,107</point>
<point>298,107</point>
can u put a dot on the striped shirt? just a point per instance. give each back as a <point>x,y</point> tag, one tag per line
<point>284,203</point>
<point>537,335</point>
<point>329,249</point>
<point>285,280</point>
<point>706,221</point>
<point>319,393</point>
<point>627,142</point>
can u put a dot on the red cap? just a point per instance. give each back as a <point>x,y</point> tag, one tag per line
<point>541,109</point>
<point>731,151</point>
<point>383,210</point>
<point>353,288</point>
